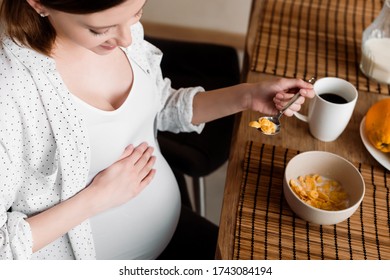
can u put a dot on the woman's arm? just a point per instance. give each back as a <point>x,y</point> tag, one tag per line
<point>50,224</point>
<point>267,97</point>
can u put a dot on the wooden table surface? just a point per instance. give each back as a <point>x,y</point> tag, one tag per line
<point>294,134</point>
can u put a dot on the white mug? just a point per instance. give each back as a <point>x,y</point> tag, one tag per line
<point>331,108</point>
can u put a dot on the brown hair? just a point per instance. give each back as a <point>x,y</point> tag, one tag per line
<point>25,26</point>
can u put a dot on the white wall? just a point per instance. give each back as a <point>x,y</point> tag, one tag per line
<point>229,16</point>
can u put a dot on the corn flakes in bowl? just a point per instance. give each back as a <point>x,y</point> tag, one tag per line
<point>322,188</point>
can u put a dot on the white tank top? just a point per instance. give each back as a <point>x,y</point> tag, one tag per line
<point>141,228</point>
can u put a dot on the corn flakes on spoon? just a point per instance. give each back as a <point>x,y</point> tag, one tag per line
<point>271,125</point>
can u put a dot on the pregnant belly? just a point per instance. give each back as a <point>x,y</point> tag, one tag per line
<point>141,228</point>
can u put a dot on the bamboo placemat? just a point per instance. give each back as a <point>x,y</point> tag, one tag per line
<point>302,38</point>
<point>266,228</point>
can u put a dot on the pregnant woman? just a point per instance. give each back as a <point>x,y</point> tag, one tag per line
<point>81,99</point>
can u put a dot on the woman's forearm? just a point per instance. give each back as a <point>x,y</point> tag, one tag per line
<point>211,105</point>
<point>52,223</point>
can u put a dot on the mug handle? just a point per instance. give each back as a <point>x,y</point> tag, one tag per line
<point>301,117</point>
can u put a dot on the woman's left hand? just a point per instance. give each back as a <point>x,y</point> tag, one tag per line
<point>269,96</point>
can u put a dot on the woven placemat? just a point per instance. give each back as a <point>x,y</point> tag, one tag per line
<point>267,229</point>
<point>302,38</point>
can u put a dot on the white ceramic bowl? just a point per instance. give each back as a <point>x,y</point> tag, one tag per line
<point>327,165</point>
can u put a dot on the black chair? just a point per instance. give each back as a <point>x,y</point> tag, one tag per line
<point>197,155</point>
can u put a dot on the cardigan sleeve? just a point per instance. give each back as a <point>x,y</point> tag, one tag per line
<point>15,232</point>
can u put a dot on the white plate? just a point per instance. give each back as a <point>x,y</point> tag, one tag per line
<point>382,158</point>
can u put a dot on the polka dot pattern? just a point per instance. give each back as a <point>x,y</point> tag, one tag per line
<point>44,149</point>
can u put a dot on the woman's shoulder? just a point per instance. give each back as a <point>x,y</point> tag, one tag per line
<point>145,54</point>
<point>7,58</point>
<point>18,62</point>
<point>16,73</point>
<point>14,56</point>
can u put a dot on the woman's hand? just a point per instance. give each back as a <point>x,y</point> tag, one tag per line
<point>269,96</point>
<point>124,179</point>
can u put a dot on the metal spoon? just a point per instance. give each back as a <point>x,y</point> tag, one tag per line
<point>276,119</point>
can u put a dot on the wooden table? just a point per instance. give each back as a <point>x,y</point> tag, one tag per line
<point>300,39</point>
